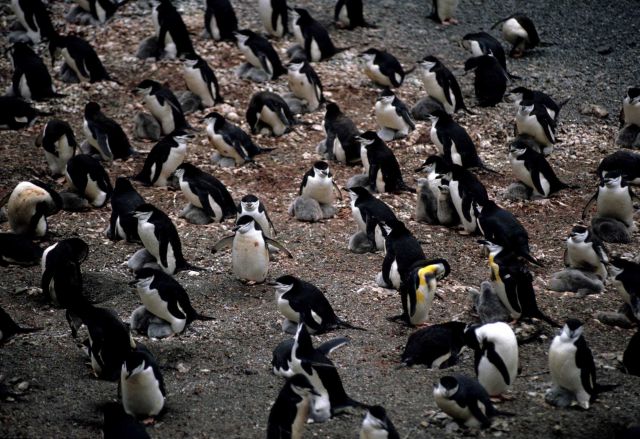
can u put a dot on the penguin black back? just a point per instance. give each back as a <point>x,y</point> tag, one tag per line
<point>435,346</point>
<point>31,79</point>
<point>220,20</point>
<point>124,201</point>
<point>490,80</point>
<point>171,24</point>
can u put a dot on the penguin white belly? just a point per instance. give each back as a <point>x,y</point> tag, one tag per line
<point>249,55</point>
<point>502,295</point>
<point>373,72</point>
<point>302,88</point>
<point>146,231</point>
<point>490,377</point>
<point>161,112</point>
<point>456,158</point>
<point>68,59</point>
<point>94,194</point>
<point>93,356</point>
<point>155,305</point>
<point>215,208</point>
<point>261,219</point>
<point>23,87</point>
<point>285,309</point>
<point>100,12</point>
<point>582,254</point>
<point>357,216</point>
<point>120,233</point>
<point>377,233</point>
<point>320,404</point>
<point>529,125</point>
<point>89,135</point>
<point>343,15</point>
<point>302,414</point>
<point>446,9</point>
<point>394,275</point>
<point>141,395</point>
<point>631,112</point>
<point>615,203</point>
<point>564,372</point>
<point>316,53</point>
<point>338,151</point>
<point>387,117</point>
<point>250,257</point>
<point>370,430</point>
<point>215,30</point>
<point>265,11</point>
<point>452,408</point>
<point>364,157</point>
<point>197,85</point>
<point>433,134</point>
<point>65,152</point>
<point>380,183</point>
<point>512,31</point>
<point>175,159</point>
<point>475,49</point>
<point>434,90</point>
<point>456,199</point>
<point>272,119</point>
<point>435,364</point>
<point>520,171</point>
<point>225,150</point>
<point>319,189</point>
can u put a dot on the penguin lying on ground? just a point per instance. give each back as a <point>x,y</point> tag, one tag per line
<point>260,54</point>
<point>316,195</point>
<point>220,20</point>
<point>290,411</point>
<point>28,207</point>
<point>86,175</point>
<point>61,278</point>
<point>59,144</point>
<point>141,384</point>
<point>368,211</point>
<point>383,68</point>
<point>164,158</point>
<point>519,30</point>
<point>233,146</point>
<point>441,85</point>
<point>268,112</point>
<point>313,37</point>
<point>9,328</point>
<point>393,117</point>
<point>436,346</point>
<point>124,201</point>
<point>340,144</point>
<point>30,79</point>
<point>376,424</point>
<point>104,134</point>
<point>18,250</point>
<point>16,113</point>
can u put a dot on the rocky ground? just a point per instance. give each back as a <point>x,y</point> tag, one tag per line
<point>218,374</point>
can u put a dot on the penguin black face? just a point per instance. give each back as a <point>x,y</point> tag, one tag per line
<point>634,94</point>
<point>613,180</point>
<point>429,62</point>
<point>618,265</point>
<point>446,387</point>
<point>144,212</point>
<point>245,224</point>
<point>91,109</point>
<point>367,138</point>
<point>321,169</point>
<point>572,330</point>
<point>526,107</point>
<point>249,202</point>
<point>579,234</point>
<point>147,87</point>
<point>333,110</point>
<point>145,273</point>
<point>216,119</point>
<point>181,136</point>
<point>284,283</point>
<point>357,191</point>
<point>122,185</point>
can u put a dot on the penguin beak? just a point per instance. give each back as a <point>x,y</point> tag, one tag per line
<point>133,283</point>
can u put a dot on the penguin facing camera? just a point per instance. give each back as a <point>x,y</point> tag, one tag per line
<point>263,62</point>
<point>436,346</point>
<point>269,113</point>
<point>340,144</point>
<point>393,117</point>
<point>441,85</point>
<point>163,159</point>
<point>220,21</point>
<point>305,85</point>
<point>627,163</point>
<point>316,194</point>
<point>252,206</point>
<point>367,211</point>
<point>28,207</point>
<point>520,32</point>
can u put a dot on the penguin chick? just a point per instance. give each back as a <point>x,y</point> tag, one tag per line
<point>290,411</point>
<point>86,175</point>
<point>436,346</point>
<point>377,425</point>
<point>61,278</point>
<point>201,80</point>
<point>259,52</point>
<point>441,85</point>
<point>124,201</point>
<point>393,117</point>
<point>270,112</point>
<point>16,113</point>
<point>627,163</point>
<point>490,82</point>
<point>520,32</point>
<point>141,384</point>
<point>613,199</point>
<point>318,184</point>
<point>59,144</point>
<point>251,206</point>
<point>104,134</point>
<point>496,355</point>
<point>305,84</point>
<point>220,20</point>
<point>230,140</point>
<point>384,170</point>
<point>301,301</point>
<point>465,400</point>
<point>18,250</point>
<point>249,250</point>
<point>532,169</point>
<point>205,192</point>
<point>383,68</point>
<point>341,143</point>
<point>163,105</point>
<point>29,205</point>
<point>164,158</point>
<point>534,120</point>
<point>488,305</point>
<point>9,328</point>
<point>586,252</point>
<point>402,251</point>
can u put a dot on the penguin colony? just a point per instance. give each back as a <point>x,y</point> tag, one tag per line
<point>451,194</point>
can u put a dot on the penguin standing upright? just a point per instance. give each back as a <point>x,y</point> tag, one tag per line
<point>205,192</point>
<point>377,425</point>
<point>29,205</point>
<point>160,238</point>
<point>436,346</point>
<point>490,81</point>
<point>312,36</point>
<point>141,384</point>
<point>275,17</point>
<point>453,142</point>
<point>163,105</point>
<point>259,52</point>
<point>532,169</point>
<point>349,14</point>
<point>443,11</point>
<point>519,30</point>
<point>9,328</point>
<point>230,140</point>
<point>250,252</point>
<point>124,201</point>
<point>496,355</point>
<point>627,163</point>
<point>86,175</point>
<point>368,211</point>
<point>402,251</point>
<point>384,170</point>
<point>220,20</point>
<point>251,206</point>
<point>80,56</point>
<point>269,111</point>
<point>631,106</point>
<point>104,134</point>
<point>16,113</point>
<point>318,184</point>
<point>341,143</point>
<point>164,158</point>
<point>61,278</point>
<point>534,120</point>
<point>302,302</point>
<point>34,17</point>
<point>441,85</point>
<point>290,411</point>
<point>586,252</point>
<point>393,117</point>
<point>173,35</point>
<point>625,276</point>
<point>30,79</point>
<point>466,191</point>
<point>201,80</point>
<point>18,250</point>
<point>383,68</point>
<point>614,199</point>
<point>59,144</point>
<point>305,84</point>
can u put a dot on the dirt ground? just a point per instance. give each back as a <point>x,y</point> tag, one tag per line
<point>218,375</point>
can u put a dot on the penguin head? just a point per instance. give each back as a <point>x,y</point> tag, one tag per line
<point>245,224</point>
<point>633,93</point>
<point>249,203</point>
<point>433,269</point>
<point>135,363</point>
<point>518,94</point>
<point>295,65</point>
<point>517,148</point>
<point>612,180</point>
<point>492,247</point>
<point>526,107</point>
<point>284,284</point>
<point>91,110</point>
<point>471,337</point>
<point>303,14</point>
<point>216,119</point>
<point>181,136</point>
<point>243,35</point>
<point>387,96</point>
<point>391,226</point>
<point>370,54</point>
<point>367,139</point>
<point>122,186</point>
<point>191,60</point>
<point>572,330</point>
<point>439,114</point>
<point>357,191</point>
<point>429,62</point>
<point>144,277</point>
<point>143,212</point>
<point>446,387</point>
<point>579,234</point>
<point>434,165</point>
<point>376,418</point>
<point>321,169</point>
<point>301,385</point>
<point>147,87</point>
<point>333,110</point>
<point>186,170</point>
<point>617,266</point>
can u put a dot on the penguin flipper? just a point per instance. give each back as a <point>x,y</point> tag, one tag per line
<point>329,346</point>
<point>103,142</point>
<point>584,362</point>
<point>498,363</point>
<point>589,204</point>
<point>335,186</point>
<point>478,414</point>
<point>275,243</point>
<point>225,242</point>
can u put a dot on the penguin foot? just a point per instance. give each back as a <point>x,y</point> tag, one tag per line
<point>306,209</point>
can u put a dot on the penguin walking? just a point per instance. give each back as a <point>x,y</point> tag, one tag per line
<point>268,111</point>
<point>453,142</point>
<point>441,85</point>
<point>86,175</point>
<point>520,32</point>
<point>173,35</point>
<point>393,117</point>
<point>164,158</point>
<point>29,205</point>
<point>61,277</point>
<point>503,228</point>
<point>496,355</point>
<point>384,170</point>
<point>220,20</point>
<point>206,192</point>
<point>252,206</point>
<point>436,346</point>
<point>59,144</point>
<point>313,37</point>
<point>341,143</point>
<point>571,365</point>
<point>534,120</point>
<point>490,81</point>
<point>466,191</point>
<point>482,43</point>
<point>30,79</point>
<point>160,238</point>
<point>625,276</point>
<point>368,211</point>
<point>259,52</point>
<point>230,140</point>
<point>18,250</point>
<point>586,252</point>
<point>302,302</point>
<point>627,163</point>
<point>124,201</point>
<point>163,106</point>
<point>631,106</point>
<point>465,400</point>
<point>141,384</point>
<point>34,17</point>
<point>377,425</point>
<point>80,56</point>
<point>201,80</point>
<point>9,328</point>
<point>250,252</point>
<point>104,134</point>
<point>318,184</point>
<point>402,251</point>
<point>275,17</point>
<point>613,199</point>
<point>290,411</point>
<point>305,84</point>
<point>383,68</point>
<point>164,297</point>
<point>531,168</point>
<point>418,289</point>
<point>16,113</point>
<point>519,94</point>
<point>443,11</point>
